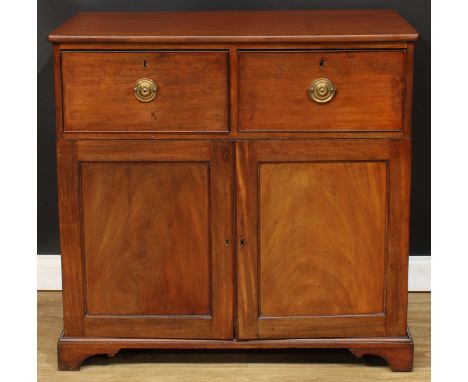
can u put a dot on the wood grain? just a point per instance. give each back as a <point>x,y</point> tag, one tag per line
<point>241,26</point>
<point>70,238</point>
<point>98,91</point>
<point>233,135</point>
<point>77,46</point>
<point>174,365</point>
<point>232,212</point>
<point>399,359</point>
<point>409,89</point>
<point>252,365</point>
<point>142,150</point>
<point>299,218</point>
<point>148,209</point>
<point>310,216</point>
<point>397,352</point>
<point>246,208</point>
<point>136,261</point>
<point>370,88</point>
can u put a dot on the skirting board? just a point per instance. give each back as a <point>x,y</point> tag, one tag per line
<point>49,276</point>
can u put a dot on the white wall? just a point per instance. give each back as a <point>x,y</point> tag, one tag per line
<point>49,275</point>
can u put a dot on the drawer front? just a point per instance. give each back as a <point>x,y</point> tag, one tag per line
<point>190,91</point>
<point>275,87</point>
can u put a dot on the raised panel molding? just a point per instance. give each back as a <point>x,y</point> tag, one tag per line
<point>330,196</point>
<point>49,276</point>
<point>128,209</point>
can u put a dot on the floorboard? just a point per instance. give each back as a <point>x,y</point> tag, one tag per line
<point>206,366</point>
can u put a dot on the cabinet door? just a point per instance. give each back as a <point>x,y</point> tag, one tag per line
<point>144,234</point>
<point>323,238</point>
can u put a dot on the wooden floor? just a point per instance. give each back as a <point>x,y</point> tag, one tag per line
<point>272,366</point>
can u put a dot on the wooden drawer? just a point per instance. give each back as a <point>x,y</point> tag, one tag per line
<point>369,91</point>
<point>191,91</point>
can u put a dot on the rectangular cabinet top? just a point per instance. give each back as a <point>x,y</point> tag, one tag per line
<point>237,27</point>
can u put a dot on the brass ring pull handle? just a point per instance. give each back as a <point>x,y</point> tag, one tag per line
<point>322,90</point>
<point>145,90</point>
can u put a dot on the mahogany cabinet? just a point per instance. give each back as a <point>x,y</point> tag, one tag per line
<point>234,180</point>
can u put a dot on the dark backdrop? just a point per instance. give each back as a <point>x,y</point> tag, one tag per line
<point>52,13</point>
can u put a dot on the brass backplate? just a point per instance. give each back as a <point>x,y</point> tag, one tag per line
<point>145,89</point>
<point>322,90</point>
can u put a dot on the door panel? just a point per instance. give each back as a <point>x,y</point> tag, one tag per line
<point>154,220</point>
<point>148,207</point>
<point>313,258</point>
<point>318,256</point>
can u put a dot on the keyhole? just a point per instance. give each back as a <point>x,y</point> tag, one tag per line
<point>145,64</point>
<point>322,63</point>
